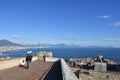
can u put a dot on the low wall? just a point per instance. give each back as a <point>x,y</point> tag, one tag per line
<point>66,71</point>
<point>4,64</point>
<point>51,59</point>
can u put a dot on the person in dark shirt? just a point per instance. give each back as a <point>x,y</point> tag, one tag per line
<point>31,55</point>
<point>28,59</point>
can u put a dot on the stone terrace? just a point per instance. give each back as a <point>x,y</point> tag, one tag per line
<point>38,71</point>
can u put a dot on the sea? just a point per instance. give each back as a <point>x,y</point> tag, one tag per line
<point>67,53</point>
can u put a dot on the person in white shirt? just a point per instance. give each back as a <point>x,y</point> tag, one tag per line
<point>22,64</point>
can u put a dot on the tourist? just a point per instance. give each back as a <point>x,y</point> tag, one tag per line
<point>22,64</point>
<point>28,60</point>
<point>44,56</point>
<point>31,55</point>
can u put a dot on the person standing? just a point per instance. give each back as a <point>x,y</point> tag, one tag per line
<point>28,60</point>
<point>31,55</point>
<point>44,56</point>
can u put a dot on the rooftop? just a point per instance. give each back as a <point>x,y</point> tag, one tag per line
<point>38,70</point>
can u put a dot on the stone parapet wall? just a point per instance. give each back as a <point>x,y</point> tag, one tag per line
<point>51,59</point>
<point>4,64</point>
<point>66,71</point>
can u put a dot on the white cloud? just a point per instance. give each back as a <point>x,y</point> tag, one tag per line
<point>104,17</point>
<point>16,36</point>
<point>110,39</point>
<point>115,24</point>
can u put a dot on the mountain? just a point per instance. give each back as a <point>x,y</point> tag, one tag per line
<point>100,47</point>
<point>62,45</point>
<point>5,42</point>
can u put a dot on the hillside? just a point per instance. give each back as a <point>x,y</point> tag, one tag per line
<point>5,42</point>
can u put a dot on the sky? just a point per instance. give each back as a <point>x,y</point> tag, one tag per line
<point>78,22</point>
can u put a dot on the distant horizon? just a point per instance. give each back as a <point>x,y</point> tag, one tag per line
<point>72,22</point>
<point>63,44</point>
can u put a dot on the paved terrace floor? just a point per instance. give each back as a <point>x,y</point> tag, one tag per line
<point>36,71</point>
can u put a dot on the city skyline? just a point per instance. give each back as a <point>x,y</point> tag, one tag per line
<point>78,22</point>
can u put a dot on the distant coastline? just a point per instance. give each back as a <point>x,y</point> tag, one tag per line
<point>11,48</point>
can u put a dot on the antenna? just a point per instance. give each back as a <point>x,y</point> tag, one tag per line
<point>39,44</point>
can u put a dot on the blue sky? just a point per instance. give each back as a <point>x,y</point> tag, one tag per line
<point>79,22</point>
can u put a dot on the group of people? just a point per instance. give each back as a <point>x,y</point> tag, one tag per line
<point>28,60</point>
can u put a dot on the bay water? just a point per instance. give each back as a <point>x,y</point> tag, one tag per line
<point>67,53</point>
